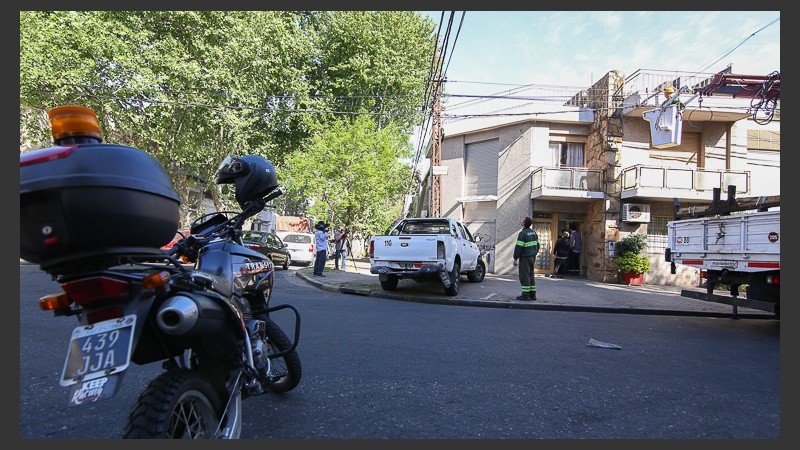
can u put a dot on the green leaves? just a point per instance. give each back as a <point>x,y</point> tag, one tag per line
<point>190,87</point>
<point>629,256</point>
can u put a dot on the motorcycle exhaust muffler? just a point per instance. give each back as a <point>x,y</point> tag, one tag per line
<point>184,315</point>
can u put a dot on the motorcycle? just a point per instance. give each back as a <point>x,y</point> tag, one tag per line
<point>201,308</point>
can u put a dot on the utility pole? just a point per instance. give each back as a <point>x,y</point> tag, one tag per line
<point>436,151</point>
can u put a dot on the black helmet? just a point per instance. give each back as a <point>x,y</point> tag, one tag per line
<point>253,177</point>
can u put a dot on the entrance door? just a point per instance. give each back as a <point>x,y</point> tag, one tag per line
<point>545,256</point>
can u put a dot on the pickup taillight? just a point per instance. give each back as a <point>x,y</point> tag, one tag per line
<point>371,249</point>
<point>439,249</point>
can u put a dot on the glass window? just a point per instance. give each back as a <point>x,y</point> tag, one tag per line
<point>252,236</point>
<point>566,154</point>
<point>657,234</point>
<point>297,239</point>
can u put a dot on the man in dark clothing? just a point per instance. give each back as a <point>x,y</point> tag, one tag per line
<point>574,260</point>
<point>525,255</point>
<point>561,253</point>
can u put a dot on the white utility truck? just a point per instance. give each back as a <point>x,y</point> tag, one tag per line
<point>734,243</point>
<point>426,247</point>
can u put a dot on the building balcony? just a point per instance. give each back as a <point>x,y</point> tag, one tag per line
<point>642,92</point>
<point>659,183</point>
<point>567,183</point>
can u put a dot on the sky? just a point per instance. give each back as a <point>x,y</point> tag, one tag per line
<point>577,48</point>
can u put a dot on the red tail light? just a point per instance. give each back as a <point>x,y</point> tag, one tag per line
<point>371,249</point>
<point>255,247</point>
<point>101,297</point>
<point>311,248</point>
<point>774,279</point>
<point>89,290</point>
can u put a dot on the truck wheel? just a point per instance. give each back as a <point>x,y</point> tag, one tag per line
<point>455,280</point>
<point>390,284</point>
<point>477,275</point>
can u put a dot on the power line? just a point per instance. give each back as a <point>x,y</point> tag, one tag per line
<point>738,45</point>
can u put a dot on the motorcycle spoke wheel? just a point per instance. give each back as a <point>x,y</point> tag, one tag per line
<point>192,418</point>
<point>178,404</point>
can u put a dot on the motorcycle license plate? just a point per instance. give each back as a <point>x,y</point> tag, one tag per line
<point>98,350</point>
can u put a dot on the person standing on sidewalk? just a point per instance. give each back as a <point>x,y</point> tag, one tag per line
<point>561,253</point>
<point>525,252</point>
<point>337,249</point>
<point>574,261</point>
<point>347,248</point>
<point>321,243</point>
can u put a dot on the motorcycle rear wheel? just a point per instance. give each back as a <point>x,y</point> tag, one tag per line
<point>178,404</point>
<point>286,369</point>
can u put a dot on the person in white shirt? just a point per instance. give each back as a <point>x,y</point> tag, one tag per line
<point>321,242</point>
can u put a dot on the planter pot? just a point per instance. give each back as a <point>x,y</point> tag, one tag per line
<point>631,278</point>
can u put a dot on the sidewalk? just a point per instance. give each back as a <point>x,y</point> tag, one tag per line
<point>553,294</point>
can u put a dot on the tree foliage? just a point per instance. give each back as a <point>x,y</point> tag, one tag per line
<point>187,87</point>
<point>190,87</point>
<point>374,62</point>
<point>358,171</point>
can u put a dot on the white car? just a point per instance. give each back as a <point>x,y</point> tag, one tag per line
<point>300,246</point>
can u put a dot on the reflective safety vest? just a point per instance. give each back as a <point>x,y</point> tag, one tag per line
<point>527,243</point>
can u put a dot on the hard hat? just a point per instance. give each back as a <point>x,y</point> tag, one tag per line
<point>669,89</point>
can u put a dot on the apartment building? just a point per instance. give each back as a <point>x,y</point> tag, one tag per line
<point>586,157</point>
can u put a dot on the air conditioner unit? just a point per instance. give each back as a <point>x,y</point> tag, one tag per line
<point>635,212</point>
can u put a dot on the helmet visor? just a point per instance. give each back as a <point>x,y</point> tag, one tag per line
<point>229,169</point>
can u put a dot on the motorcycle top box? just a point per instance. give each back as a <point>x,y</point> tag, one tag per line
<point>91,201</point>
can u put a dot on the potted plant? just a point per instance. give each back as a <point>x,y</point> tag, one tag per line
<point>631,260</point>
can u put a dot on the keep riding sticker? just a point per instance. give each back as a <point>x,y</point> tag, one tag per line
<point>773,236</point>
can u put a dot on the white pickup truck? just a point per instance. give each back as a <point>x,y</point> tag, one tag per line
<point>734,243</point>
<point>421,248</point>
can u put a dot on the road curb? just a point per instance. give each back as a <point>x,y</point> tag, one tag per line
<point>514,304</point>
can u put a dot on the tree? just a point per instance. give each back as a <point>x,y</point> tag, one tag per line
<point>187,87</point>
<point>190,87</point>
<point>356,172</point>
<point>374,62</point>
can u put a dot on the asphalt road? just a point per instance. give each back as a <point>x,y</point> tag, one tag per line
<point>377,368</point>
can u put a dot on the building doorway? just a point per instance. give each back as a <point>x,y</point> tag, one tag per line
<point>544,259</point>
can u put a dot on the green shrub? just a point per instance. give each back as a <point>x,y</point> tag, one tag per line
<point>633,262</point>
<point>632,243</point>
<point>629,254</point>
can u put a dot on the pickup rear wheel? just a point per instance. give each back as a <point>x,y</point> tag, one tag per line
<point>455,280</point>
<point>476,275</point>
<point>390,283</point>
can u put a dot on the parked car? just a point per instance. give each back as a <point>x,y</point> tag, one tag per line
<point>300,245</point>
<point>269,244</point>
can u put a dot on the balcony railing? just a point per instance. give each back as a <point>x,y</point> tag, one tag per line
<point>701,180</point>
<point>648,81</point>
<point>575,178</point>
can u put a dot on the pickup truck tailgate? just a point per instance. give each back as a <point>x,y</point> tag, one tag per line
<point>405,248</point>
